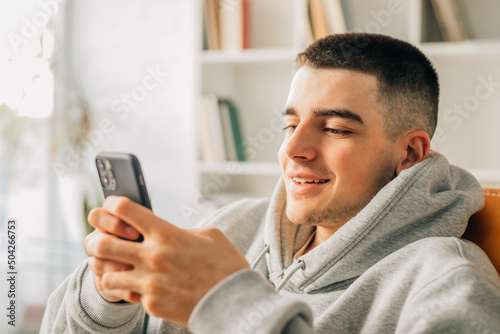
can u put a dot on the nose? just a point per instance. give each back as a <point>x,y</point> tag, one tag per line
<point>300,145</point>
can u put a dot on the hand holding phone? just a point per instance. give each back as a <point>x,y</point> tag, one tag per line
<point>121,175</point>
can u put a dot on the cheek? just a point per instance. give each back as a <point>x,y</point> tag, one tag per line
<point>351,166</point>
<point>361,170</point>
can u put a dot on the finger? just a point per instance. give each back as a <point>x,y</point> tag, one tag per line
<point>127,296</point>
<point>101,266</point>
<point>123,280</point>
<point>138,216</point>
<point>100,218</point>
<point>109,247</point>
<point>92,235</point>
<point>88,237</point>
<point>116,295</point>
<point>130,296</point>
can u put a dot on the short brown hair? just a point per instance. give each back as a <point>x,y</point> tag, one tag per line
<point>408,83</point>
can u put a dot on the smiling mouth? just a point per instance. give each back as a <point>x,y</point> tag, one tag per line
<point>308,181</point>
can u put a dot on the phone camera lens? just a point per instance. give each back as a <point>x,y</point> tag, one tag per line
<point>100,164</point>
<point>105,180</point>
<point>107,164</point>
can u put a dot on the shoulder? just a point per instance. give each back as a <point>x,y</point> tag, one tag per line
<point>446,262</point>
<point>436,261</point>
<point>446,253</point>
<point>454,288</point>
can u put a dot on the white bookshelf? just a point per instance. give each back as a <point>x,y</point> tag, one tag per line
<point>476,48</point>
<point>257,80</point>
<point>247,56</point>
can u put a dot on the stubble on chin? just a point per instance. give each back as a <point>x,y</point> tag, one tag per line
<point>330,216</point>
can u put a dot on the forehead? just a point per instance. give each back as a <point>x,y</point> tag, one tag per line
<point>320,89</point>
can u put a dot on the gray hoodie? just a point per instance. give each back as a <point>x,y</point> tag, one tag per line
<point>398,266</point>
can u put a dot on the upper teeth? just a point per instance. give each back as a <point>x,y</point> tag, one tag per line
<point>299,180</point>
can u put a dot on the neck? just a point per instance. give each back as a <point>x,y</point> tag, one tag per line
<point>322,233</point>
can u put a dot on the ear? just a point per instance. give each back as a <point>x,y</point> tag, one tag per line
<point>416,147</point>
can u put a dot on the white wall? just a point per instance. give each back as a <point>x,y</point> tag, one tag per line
<point>113,49</point>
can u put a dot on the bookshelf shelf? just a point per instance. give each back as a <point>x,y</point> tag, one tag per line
<point>241,168</point>
<point>247,56</point>
<point>466,48</point>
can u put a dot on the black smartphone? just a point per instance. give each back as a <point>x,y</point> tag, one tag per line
<point>121,175</point>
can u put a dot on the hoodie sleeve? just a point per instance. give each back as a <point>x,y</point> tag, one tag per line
<point>77,307</point>
<point>247,303</point>
<point>465,300</point>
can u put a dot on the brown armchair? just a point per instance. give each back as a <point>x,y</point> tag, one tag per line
<point>484,227</point>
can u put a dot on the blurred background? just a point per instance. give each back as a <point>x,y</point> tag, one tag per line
<point>195,89</point>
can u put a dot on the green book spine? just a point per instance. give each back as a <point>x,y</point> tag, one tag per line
<point>238,136</point>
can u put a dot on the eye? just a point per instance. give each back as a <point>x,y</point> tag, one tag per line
<point>289,128</point>
<point>337,132</point>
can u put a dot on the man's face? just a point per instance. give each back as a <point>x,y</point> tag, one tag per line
<point>335,156</point>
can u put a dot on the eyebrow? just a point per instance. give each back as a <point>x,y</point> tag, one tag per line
<point>342,113</point>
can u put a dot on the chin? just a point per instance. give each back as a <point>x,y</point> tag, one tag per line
<point>298,217</point>
<point>294,218</point>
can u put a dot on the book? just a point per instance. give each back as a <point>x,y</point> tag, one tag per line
<point>212,137</point>
<point>306,36</point>
<point>449,17</point>
<point>220,132</point>
<point>211,24</point>
<point>237,138</point>
<point>335,16</point>
<point>247,31</point>
<point>318,19</point>
<point>231,25</point>
<point>207,151</point>
<point>227,128</point>
<point>227,24</point>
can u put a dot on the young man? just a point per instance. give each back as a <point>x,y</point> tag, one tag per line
<point>361,234</point>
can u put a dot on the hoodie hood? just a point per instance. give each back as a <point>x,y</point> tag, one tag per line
<point>430,199</point>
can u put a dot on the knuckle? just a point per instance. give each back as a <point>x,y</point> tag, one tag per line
<point>86,240</point>
<point>97,266</point>
<point>93,216</point>
<point>122,204</point>
<point>87,243</point>
<point>91,264</point>
<point>107,281</point>
<point>153,285</point>
<point>114,224</point>
<point>156,259</point>
<point>91,235</point>
<point>214,233</point>
<point>151,304</point>
<point>101,246</point>
<point>128,295</point>
<point>98,283</point>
